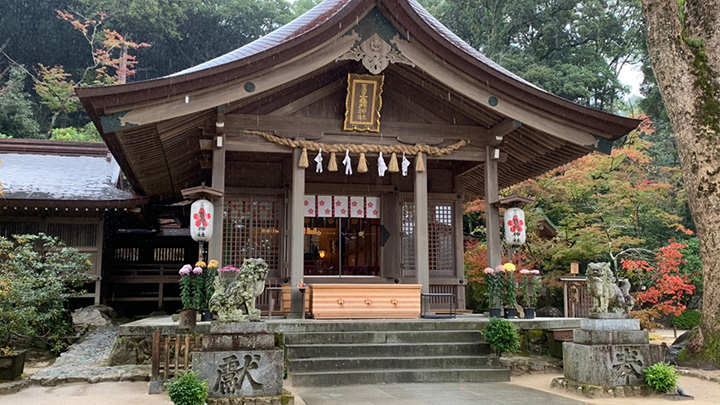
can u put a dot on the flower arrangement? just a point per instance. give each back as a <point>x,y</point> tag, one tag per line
<point>509,285</point>
<point>196,284</point>
<point>529,287</point>
<point>493,286</point>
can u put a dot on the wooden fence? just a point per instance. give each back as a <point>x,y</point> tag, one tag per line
<point>172,354</point>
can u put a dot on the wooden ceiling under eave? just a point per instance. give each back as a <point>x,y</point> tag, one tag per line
<point>165,157</point>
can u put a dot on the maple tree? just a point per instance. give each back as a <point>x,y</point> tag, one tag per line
<point>112,63</point>
<point>604,204</point>
<point>663,286</point>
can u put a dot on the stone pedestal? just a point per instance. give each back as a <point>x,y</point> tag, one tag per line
<point>609,353</point>
<point>239,360</point>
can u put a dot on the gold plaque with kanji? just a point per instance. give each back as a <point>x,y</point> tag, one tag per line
<point>363,103</point>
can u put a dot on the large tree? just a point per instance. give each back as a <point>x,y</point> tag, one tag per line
<point>683,39</point>
<point>572,48</point>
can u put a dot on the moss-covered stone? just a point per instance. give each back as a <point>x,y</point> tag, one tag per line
<point>599,391</point>
<point>708,358</point>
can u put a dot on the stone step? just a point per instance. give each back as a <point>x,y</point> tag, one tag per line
<point>360,325</point>
<point>301,351</point>
<point>387,363</point>
<point>384,337</point>
<point>354,377</point>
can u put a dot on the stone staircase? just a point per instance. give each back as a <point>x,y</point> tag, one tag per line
<point>346,353</point>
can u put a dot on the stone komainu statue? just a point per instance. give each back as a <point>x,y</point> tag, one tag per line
<point>235,290</point>
<point>608,297</point>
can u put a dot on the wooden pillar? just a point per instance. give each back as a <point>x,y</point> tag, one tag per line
<point>297,232</point>
<point>215,245</point>
<point>422,256</point>
<point>492,212</point>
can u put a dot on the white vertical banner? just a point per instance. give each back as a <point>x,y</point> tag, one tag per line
<point>309,208</point>
<point>341,206</point>
<point>372,205</point>
<point>324,206</point>
<point>357,207</point>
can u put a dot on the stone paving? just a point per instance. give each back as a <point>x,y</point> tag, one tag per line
<point>87,361</point>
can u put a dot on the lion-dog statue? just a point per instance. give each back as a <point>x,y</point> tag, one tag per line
<point>233,291</point>
<point>608,297</point>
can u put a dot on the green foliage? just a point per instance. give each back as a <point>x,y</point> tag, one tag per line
<point>687,320</point>
<point>502,335</point>
<point>56,92</point>
<point>300,7</point>
<point>16,107</point>
<point>38,274</point>
<point>187,389</point>
<point>661,377</point>
<point>88,133</point>
<point>572,49</point>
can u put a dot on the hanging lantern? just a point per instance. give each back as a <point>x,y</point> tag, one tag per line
<point>514,226</point>
<point>201,220</point>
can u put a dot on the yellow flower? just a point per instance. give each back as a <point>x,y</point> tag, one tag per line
<point>201,264</point>
<point>213,264</point>
<point>10,255</point>
<point>88,262</point>
<point>509,266</point>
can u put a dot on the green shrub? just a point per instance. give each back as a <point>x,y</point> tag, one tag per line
<point>187,389</point>
<point>687,320</point>
<point>661,377</point>
<point>38,274</point>
<point>502,335</point>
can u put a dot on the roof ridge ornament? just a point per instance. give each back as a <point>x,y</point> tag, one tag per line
<point>376,54</point>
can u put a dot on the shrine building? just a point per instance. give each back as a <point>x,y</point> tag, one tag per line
<point>341,147</point>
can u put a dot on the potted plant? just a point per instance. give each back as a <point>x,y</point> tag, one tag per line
<point>509,289</point>
<point>493,285</point>
<point>502,335</point>
<point>38,274</point>
<point>192,291</point>
<point>187,389</point>
<point>207,287</point>
<point>529,289</point>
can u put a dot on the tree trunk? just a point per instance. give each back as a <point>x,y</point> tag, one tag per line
<point>684,48</point>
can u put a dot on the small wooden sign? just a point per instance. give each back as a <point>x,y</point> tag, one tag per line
<point>363,103</point>
<point>574,267</point>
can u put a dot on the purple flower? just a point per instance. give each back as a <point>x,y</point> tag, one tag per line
<point>524,271</point>
<point>489,270</point>
<point>500,269</point>
<point>185,270</point>
<point>197,270</point>
<point>535,271</point>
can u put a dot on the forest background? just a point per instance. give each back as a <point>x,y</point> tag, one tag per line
<point>628,207</point>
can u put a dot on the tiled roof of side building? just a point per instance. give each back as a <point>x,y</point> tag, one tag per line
<point>59,175</point>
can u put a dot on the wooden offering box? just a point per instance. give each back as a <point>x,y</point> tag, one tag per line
<point>357,301</point>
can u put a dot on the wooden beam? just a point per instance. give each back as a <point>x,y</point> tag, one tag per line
<point>305,101</point>
<point>294,127</point>
<point>506,106</point>
<point>297,227</point>
<point>492,213</point>
<point>422,242</point>
<point>215,245</point>
<point>503,128</point>
<point>229,92</point>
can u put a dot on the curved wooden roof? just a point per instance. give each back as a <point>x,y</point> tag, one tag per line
<point>154,127</point>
